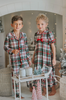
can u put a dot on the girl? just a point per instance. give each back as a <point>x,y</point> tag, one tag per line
<point>44,47</point>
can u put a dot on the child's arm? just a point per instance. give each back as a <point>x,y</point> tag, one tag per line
<point>27,51</point>
<point>7,47</point>
<point>33,57</point>
<point>54,54</point>
<point>51,42</point>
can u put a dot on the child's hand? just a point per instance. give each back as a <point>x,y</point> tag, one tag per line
<point>54,62</point>
<point>30,63</point>
<point>16,51</point>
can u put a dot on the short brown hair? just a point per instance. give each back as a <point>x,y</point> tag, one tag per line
<point>15,18</point>
<point>43,17</point>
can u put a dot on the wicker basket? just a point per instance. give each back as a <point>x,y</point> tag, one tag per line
<point>5,82</point>
<point>57,68</point>
<point>63,88</point>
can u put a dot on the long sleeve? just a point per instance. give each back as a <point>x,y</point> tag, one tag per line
<point>7,45</point>
<point>27,50</point>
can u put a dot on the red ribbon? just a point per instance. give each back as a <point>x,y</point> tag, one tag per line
<point>40,40</point>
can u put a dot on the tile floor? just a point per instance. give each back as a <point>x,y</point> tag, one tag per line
<point>27,94</point>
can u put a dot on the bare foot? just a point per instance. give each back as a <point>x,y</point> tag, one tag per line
<point>53,91</point>
<point>31,89</point>
<point>44,91</point>
<point>22,97</point>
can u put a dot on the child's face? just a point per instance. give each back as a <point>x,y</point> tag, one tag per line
<point>41,25</point>
<point>17,25</point>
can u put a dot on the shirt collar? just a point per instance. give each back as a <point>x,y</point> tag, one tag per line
<point>16,37</point>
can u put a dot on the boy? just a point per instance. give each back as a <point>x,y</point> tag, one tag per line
<point>16,46</point>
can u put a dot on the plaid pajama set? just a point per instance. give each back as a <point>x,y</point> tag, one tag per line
<point>22,58</point>
<point>43,54</point>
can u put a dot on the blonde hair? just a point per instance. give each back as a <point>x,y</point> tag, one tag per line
<point>43,17</point>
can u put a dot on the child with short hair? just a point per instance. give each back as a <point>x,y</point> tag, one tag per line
<point>44,48</point>
<point>16,46</point>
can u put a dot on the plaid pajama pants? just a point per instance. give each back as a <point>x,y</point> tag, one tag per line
<point>15,70</point>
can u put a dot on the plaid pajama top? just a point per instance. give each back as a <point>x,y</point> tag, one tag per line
<point>11,43</point>
<point>42,48</point>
